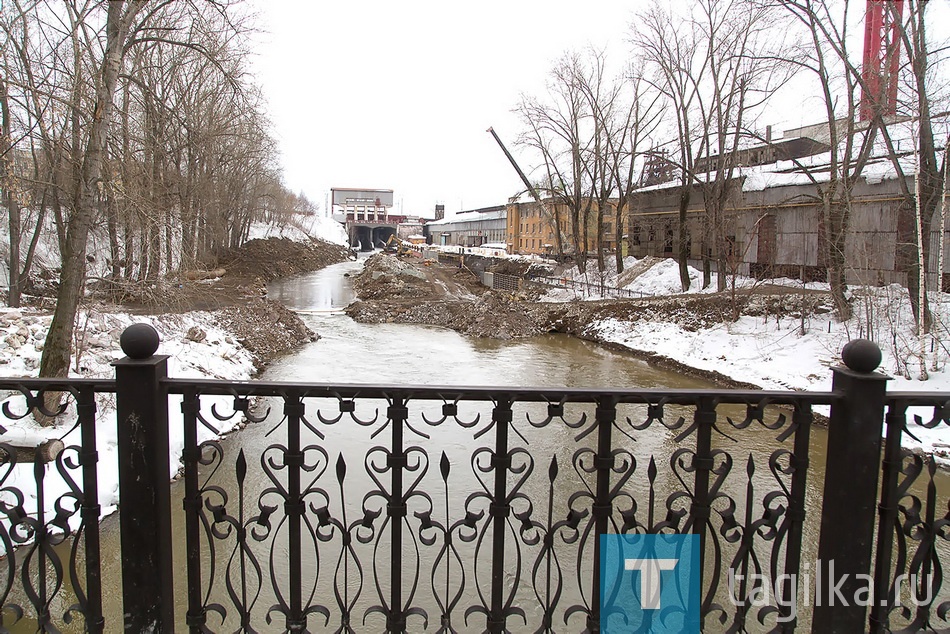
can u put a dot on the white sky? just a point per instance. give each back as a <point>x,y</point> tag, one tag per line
<point>399,95</point>
<point>386,95</point>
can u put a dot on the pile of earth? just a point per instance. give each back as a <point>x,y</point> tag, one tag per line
<point>410,291</point>
<point>279,257</point>
<point>493,314</point>
<point>265,327</point>
<point>386,277</point>
<point>390,278</point>
<point>393,289</point>
<point>234,291</point>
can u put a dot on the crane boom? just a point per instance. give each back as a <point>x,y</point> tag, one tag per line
<point>533,191</point>
<point>514,164</point>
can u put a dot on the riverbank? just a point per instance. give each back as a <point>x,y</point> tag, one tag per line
<point>184,308</point>
<point>765,348</point>
<point>786,336</point>
<point>219,326</point>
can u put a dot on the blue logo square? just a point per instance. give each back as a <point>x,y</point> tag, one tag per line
<point>649,583</point>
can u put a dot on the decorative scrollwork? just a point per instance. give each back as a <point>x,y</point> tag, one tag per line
<point>941,414</point>
<point>347,406</point>
<point>451,410</point>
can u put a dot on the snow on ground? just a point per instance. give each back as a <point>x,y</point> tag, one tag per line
<point>22,332</point>
<point>301,227</point>
<point>196,346</point>
<point>774,353</point>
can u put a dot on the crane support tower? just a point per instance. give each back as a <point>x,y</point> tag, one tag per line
<point>881,57</point>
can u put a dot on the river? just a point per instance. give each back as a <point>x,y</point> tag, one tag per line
<point>350,352</point>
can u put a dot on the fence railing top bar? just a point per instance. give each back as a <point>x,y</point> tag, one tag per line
<point>917,398</point>
<point>64,384</point>
<point>488,393</point>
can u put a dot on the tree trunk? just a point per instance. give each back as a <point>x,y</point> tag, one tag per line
<point>836,227</point>
<point>600,236</point>
<point>683,250</point>
<point>618,235</point>
<point>112,226</point>
<point>35,240</point>
<point>58,347</point>
<point>7,178</point>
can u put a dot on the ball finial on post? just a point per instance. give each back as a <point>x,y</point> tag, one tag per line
<point>861,355</point>
<point>139,341</point>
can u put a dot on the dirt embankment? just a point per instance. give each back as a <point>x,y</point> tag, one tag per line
<point>408,290</point>
<point>263,326</point>
<point>236,292</point>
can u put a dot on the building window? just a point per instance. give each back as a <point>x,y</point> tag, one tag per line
<point>668,238</point>
<point>636,235</point>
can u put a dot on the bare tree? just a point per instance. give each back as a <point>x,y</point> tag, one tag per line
<point>921,202</point>
<point>9,186</point>
<point>562,132</point>
<point>714,65</point>
<point>640,117</point>
<point>602,102</point>
<point>672,49</point>
<point>138,112</point>
<point>120,18</point>
<point>742,42</point>
<point>827,61</point>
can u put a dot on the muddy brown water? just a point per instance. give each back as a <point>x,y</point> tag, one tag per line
<point>349,352</point>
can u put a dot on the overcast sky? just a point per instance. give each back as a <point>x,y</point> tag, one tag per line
<point>399,95</point>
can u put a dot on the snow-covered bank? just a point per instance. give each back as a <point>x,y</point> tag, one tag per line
<point>199,344</point>
<point>196,345</point>
<point>302,227</point>
<point>789,351</point>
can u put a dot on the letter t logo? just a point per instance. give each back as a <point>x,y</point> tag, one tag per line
<point>650,578</point>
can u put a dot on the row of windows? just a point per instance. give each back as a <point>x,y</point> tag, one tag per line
<point>534,227</point>
<point>637,237</point>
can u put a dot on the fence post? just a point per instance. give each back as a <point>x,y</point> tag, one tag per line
<point>842,582</point>
<point>145,497</point>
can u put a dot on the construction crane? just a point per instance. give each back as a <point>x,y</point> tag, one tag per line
<point>524,179</point>
<point>881,56</point>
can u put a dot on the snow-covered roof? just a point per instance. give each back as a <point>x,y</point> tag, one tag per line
<point>814,168</point>
<point>472,216</point>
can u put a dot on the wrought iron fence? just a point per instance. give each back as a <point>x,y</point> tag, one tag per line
<point>419,508</point>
